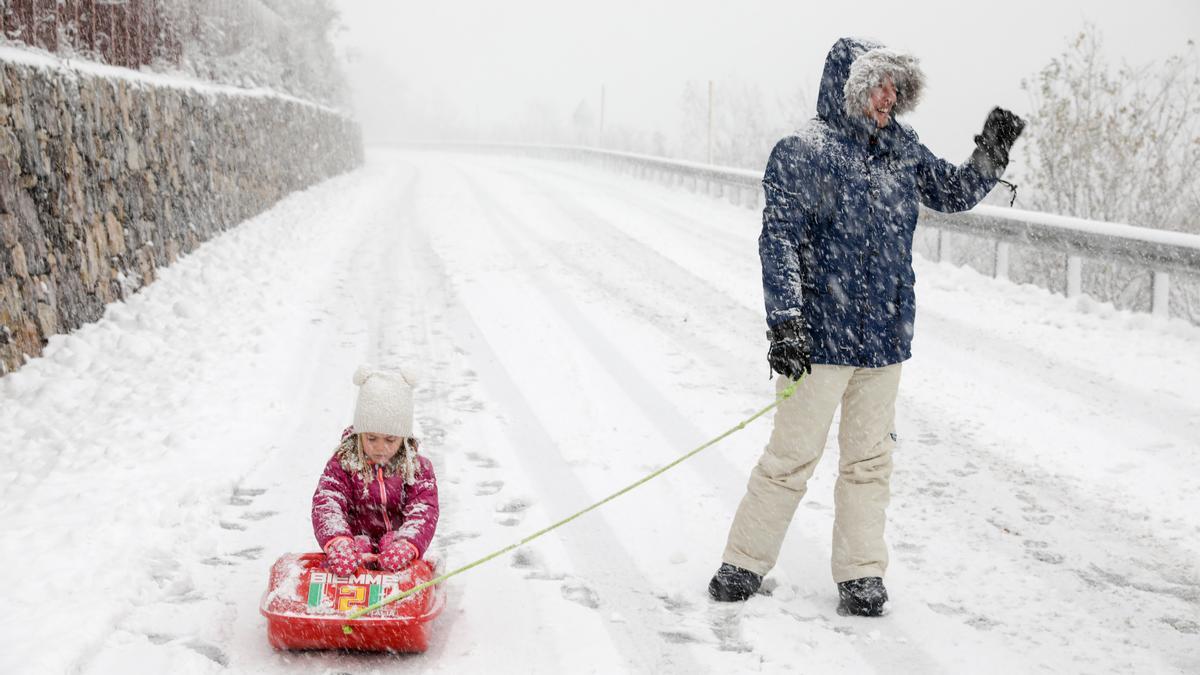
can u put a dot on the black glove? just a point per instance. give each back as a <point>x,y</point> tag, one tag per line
<point>1000,131</point>
<point>790,354</point>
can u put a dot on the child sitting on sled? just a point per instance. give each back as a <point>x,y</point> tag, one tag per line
<point>377,498</point>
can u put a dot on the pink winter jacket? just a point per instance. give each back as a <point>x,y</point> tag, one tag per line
<point>346,505</point>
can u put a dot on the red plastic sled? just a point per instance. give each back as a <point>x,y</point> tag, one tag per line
<point>306,607</point>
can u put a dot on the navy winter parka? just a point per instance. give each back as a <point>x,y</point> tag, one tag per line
<point>841,207</point>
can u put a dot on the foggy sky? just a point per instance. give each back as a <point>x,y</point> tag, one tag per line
<point>491,60</point>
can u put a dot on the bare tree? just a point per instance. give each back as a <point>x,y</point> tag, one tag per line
<point>1113,143</point>
<point>1116,144</point>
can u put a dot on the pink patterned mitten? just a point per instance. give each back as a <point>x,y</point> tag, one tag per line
<point>342,557</point>
<point>396,553</point>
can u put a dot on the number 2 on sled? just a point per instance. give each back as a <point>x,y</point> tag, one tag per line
<point>351,597</point>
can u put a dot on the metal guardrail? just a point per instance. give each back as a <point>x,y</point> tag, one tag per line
<point>1159,251</point>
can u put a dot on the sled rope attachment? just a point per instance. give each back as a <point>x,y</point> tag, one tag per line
<point>783,395</point>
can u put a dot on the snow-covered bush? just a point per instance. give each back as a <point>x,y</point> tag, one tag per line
<point>1116,143</point>
<point>281,44</point>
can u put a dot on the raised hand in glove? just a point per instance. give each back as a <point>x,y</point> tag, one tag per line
<point>790,354</point>
<point>1000,131</point>
<point>342,556</point>
<point>396,553</point>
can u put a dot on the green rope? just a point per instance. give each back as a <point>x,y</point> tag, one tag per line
<point>786,393</point>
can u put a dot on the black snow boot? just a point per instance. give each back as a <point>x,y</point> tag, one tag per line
<point>862,597</point>
<point>733,584</point>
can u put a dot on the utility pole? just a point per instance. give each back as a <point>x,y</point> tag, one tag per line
<point>601,139</point>
<point>710,120</point>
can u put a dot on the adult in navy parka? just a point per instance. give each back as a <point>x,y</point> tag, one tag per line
<point>842,196</point>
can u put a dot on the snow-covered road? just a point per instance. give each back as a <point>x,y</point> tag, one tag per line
<point>578,328</point>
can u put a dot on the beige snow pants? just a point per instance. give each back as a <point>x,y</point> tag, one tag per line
<point>865,440</point>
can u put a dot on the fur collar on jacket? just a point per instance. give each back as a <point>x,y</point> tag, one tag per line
<point>869,69</point>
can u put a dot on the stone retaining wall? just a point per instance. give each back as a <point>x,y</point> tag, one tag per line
<point>103,180</point>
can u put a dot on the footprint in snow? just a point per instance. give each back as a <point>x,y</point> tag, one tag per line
<point>465,403</point>
<point>453,538</point>
<point>982,623</point>
<point>511,512</point>
<point>726,625</point>
<point>258,515</point>
<point>432,432</point>
<point>544,574</point>
<point>242,496</point>
<point>514,505</point>
<point>678,637</point>
<point>964,472</point>
<point>1046,556</point>
<point>530,560</point>
<point>249,553</point>
<point>209,651</point>
<point>580,594</point>
<point>481,461</point>
<point>488,487</point>
<point>524,559</point>
<point>675,603</point>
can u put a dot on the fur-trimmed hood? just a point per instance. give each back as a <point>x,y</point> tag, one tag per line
<point>852,68</point>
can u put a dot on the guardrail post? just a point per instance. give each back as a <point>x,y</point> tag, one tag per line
<point>1160,305</point>
<point>1074,276</point>
<point>944,251</point>
<point>1001,271</point>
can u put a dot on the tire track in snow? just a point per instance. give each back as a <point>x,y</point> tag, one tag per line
<point>682,223</point>
<point>675,284</point>
<point>598,554</point>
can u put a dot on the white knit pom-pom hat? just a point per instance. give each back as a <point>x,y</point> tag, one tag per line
<point>385,401</point>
